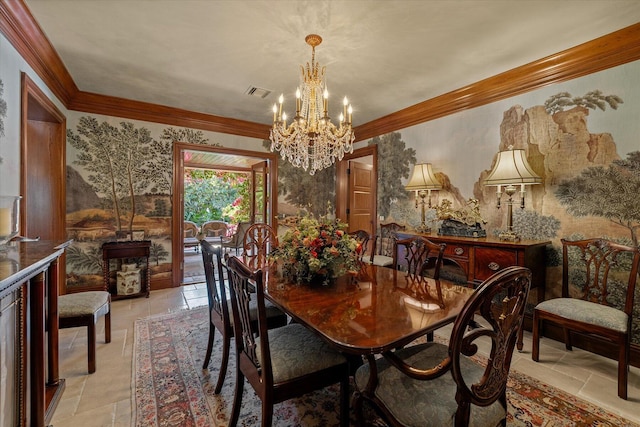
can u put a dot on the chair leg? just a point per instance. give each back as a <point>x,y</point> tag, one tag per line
<point>267,413</point>
<point>91,338</point>
<point>226,344</point>
<point>107,326</point>
<point>430,337</point>
<point>567,338</point>
<point>237,397</point>
<point>535,339</point>
<point>207,356</point>
<point>623,370</point>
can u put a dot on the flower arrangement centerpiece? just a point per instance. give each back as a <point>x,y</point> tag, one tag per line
<point>316,251</point>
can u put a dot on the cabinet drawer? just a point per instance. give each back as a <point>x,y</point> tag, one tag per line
<point>456,251</point>
<point>490,260</point>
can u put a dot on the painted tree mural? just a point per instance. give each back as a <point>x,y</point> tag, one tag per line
<point>394,163</point>
<point>162,152</point>
<point>593,99</point>
<point>610,192</point>
<point>311,192</point>
<point>117,160</point>
<point>3,111</point>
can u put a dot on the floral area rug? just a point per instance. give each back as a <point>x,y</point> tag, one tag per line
<point>172,389</point>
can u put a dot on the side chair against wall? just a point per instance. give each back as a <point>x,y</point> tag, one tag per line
<point>258,242</point>
<point>84,309</point>
<point>382,251</point>
<point>219,314</point>
<point>191,231</point>
<point>436,384</point>
<point>362,237</point>
<point>236,239</point>
<point>594,272</point>
<point>284,362</point>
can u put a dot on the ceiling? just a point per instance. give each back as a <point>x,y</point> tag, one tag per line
<point>203,55</point>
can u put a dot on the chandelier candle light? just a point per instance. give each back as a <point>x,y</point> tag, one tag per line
<point>423,181</point>
<point>511,169</point>
<point>311,141</point>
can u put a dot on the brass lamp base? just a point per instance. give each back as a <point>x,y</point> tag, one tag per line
<point>509,236</point>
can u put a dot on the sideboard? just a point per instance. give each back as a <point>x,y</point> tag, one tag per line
<point>481,257</point>
<point>30,386</point>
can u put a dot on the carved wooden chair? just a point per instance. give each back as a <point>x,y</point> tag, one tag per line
<point>362,237</point>
<point>598,287</point>
<point>219,315</point>
<point>284,362</point>
<point>382,251</point>
<point>418,256</point>
<point>437,384</point>
<point>258,242</point>
<point>84,309</point>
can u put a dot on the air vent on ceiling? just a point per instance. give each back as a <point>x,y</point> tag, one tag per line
<point>257,91</point>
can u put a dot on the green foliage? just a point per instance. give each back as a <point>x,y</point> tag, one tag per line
<point>89,262</point>
<point>209,195</point>
<point>394,162</point>
<point>158,252</point>
<point>305,191</point>
<point>611,193</point>
<point>594,99</point>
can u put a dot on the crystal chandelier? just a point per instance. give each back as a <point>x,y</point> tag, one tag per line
<point>311,141</point>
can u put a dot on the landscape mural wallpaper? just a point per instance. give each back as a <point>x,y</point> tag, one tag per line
<point>581,136</point>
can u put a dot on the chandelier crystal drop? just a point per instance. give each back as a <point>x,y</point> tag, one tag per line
<point>311,141</point>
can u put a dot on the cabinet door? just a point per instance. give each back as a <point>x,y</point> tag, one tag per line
<point>491,260</point>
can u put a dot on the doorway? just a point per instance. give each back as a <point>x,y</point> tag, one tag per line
<point>260,167</point>
<point>43,169</point>
<point>356,189</point>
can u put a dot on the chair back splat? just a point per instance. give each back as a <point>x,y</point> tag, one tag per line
<point>419,256</point>
<point>362,237</point>
<point>383,244</point>
<point>598,287</point>
<point>436,384</point>
<point>258,242</point>
<point>283,362</point>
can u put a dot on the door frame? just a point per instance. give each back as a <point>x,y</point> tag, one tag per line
<point>177,209</point>
<point>342,181</point>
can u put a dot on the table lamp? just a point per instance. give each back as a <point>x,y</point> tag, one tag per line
<point>423,181</point>
<point>511,169</point>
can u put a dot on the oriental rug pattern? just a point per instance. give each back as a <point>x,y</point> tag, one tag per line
<point>171,388</point>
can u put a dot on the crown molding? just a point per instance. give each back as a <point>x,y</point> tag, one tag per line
<point>25,34</point>
<point>608,51</point>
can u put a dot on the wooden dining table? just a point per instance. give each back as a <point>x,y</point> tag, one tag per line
<point>378,309</point>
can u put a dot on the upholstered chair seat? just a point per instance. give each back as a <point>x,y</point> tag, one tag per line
<point>418,403</point>
<point>84,309</point>
<point>587,312</point>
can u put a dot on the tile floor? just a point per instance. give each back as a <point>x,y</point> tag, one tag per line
<point>104,398</point>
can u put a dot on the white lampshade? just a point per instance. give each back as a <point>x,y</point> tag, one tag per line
<point>512,168</point>
<point>423,178</point>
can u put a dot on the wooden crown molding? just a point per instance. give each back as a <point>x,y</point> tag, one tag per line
<point>24,33</point>
<point>599,54</point>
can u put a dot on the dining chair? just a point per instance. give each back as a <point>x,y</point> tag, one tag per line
<point>258,242</point>
<point>219,314</point>
<point>418,256</point>
<point>382,251</point>
<point>236,239</point>
<point>362,237</point>
<point>284,362</point>
<point>440,384</point>
<point>598,286</point>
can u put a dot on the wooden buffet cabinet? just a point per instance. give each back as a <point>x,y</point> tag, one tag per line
<point>481,257</point>
<point>30,386</point>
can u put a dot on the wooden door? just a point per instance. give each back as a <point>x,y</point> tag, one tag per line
<point>361,189</point>
<point>43,169</point>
